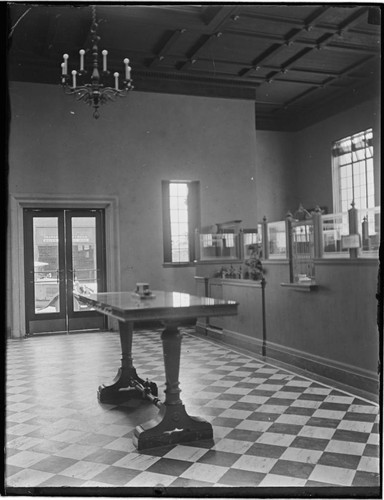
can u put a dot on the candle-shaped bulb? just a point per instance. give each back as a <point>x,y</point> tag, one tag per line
<point>74,73</point>
<point>105,53</point>
<point>116,75</point>
<point>127,69</point>
<point>81,52</point>
<point>65,69</point>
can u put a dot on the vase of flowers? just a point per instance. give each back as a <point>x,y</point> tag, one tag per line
<point>254,269</point>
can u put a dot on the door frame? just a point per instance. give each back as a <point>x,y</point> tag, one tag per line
<point>15,254</point>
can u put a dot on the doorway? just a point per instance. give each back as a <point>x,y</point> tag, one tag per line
<point>64,250</point>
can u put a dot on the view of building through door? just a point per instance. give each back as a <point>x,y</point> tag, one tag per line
<point>64,252</point>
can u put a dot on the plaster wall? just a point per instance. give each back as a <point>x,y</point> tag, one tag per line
<point>276,168</point>
<point>56,148</point>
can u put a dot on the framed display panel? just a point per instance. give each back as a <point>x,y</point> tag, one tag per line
<point>334,227</point>
<point>277,240</point>
<point>302,234</point>
<point>219,246</point>
<point>252,240</point>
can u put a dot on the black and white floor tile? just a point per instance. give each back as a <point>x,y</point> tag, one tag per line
<point>272,427</point>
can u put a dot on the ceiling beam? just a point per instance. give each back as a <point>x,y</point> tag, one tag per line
<point>215,17</point>
<point>290,39</point>
<point>201,47</point>
<point>307,25</point>
<point>161,54</point>
<point>280,40</point>
<point>329,82</point>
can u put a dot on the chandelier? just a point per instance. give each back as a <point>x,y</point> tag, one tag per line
<point>94,93</point>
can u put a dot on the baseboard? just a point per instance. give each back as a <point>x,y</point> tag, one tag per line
<point>243,341</point>
<point>341,373</point>
<point>209,331</point>
<point>367,381</point>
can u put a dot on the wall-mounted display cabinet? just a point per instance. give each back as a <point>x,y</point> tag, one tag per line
<point>228,242</point>
<point>219,246</point>
<point>334,227</point>
<point>277,240</point>
<point>304,237</point>
<point>219,242</point>
<point>251,242</point>
<point>302,250</point>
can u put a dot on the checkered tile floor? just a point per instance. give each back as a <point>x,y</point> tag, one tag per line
<point>272,427</point>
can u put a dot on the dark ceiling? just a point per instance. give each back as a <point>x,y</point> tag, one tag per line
<point>299,63</point>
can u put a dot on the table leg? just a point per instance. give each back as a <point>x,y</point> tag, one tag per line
<point>126,376</point>
<point>172,424</point>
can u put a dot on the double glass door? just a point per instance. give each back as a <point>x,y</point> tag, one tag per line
<point>64,252</point>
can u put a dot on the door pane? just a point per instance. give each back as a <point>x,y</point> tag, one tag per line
<point>84,258</point>
<point>46,264</point>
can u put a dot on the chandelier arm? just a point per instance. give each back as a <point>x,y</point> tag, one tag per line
<point>75,90</point>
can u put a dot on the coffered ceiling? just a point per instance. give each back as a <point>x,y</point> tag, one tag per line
<point>298,62</point>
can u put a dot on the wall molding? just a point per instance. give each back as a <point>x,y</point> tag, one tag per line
<point>19,201</point>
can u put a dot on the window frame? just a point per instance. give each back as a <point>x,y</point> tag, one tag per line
<point>336,167</point>
<point>193,203</point>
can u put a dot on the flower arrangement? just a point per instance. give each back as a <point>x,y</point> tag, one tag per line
<point>254,268</point>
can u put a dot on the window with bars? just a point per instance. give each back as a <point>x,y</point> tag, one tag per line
<point>181,218</point>
<point>353,172</point>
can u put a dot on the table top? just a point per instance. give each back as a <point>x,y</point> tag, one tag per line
<point>128,306</point>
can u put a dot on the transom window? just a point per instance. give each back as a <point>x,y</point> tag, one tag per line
<point>353,173</point>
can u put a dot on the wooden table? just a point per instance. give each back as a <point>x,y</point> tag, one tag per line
<point>172,424</point>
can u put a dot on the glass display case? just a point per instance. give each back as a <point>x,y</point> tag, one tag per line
<point>303,267</point>
<point>219,242</point>
<point>252,241</point>
<point>277,240</point>
<point>219,246</point>
<point>334,227</point>
<point>229,242</point>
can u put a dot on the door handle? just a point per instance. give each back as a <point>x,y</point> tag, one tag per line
<point>59,274</point>
<point>71,274</point>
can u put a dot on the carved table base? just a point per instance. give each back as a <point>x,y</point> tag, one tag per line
<point>172,424</point>
<point>127,384</point>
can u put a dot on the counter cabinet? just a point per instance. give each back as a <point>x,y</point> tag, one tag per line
<point>247,329</point>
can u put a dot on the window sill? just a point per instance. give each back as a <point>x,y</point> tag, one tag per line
<point>223,260</point>
<point>179,264</point>
<point>301,287</point>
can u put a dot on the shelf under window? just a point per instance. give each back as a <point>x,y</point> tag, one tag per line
<point>301,287</point>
